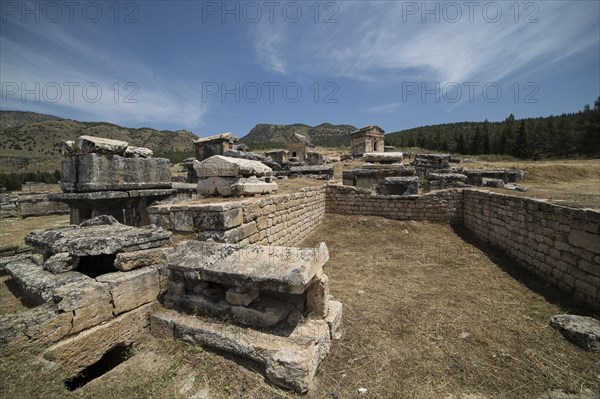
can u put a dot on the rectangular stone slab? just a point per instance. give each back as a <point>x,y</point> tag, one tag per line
<point>290,361</point>
<point>97,240</point>
<point>272,268</point>
<point>221,166</point>
<point>41,283</point>
<point>100,172</point>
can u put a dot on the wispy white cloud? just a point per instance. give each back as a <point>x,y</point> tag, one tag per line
<point>52,57</point>
<point>376,41</point>
<point>268,40</point>
<point>389,108</point>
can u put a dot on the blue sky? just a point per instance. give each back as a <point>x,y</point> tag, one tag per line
<point>216,66</point>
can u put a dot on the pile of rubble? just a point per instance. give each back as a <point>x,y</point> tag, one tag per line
<point>108,177</point>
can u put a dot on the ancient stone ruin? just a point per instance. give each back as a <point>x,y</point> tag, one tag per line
<point>367,139</point>
<point>108,177</point>
<point>383,172</point>
<point>90,287</point>
<point>281,293</point>
<point>218,144</point>
<point>226,176</point>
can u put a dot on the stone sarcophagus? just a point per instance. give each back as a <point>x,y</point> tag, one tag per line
<point>227,176</point>
<point>268,303</point>
<point>104,172</point>
<point>108,177</point>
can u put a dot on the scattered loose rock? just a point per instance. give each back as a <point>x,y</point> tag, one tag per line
<point>581,330</point>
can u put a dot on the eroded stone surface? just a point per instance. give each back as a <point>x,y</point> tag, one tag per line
<point>97,239</point>
<point>61,263</point>
<point>221,166</point>
<point>383,157</point>
<point>290,361</point>
<point>132,289</point>
<point>126,261</point>
<point>581,330</point>
<point>79,351</point>
<point>36,281</point>
<point>99,145</point>
<point>101,172</point>
<point>279,269</point>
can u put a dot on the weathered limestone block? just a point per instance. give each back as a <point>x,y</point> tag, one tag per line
<point>77,352</point>
<point>138,152</point>
<point>581,330</point>
<point>99,145</point>
<point>89,301</point>
<point>272,268</point>
<point>36,281</point>
<point>241,296</point>
<point>263,313</point>
<point>221,166</point>
<point>585,240</point>
<point>67,147</point>
<point>228,186</point>
<point>317,297</point>
<point>401,185</point>
<point>234,235</point>
<point>197,304</point>
<point>489,182</point>
<point>61,263</point>
<point>383,157</point>
<point>127,261</point>
<point>334,317</point>
<point>99,172</point>
<point>131,289</point>
<point>291,361</point>
<point>92,239</point>
<point>39,205</point>
<point>35,327</point>
<point>220,220</point>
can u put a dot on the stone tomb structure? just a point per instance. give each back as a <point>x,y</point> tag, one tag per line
<point>218,144</point>
<point>90,288</point>
<point>226,176</point>
<point>367,139</point>
<point>298,145</point>
<point>109,177</point>
<point>268,303</point>
<point>384,173</point>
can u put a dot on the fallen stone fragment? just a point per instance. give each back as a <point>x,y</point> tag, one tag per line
<point>138,152</point>
<point>99,145</point>
<point>241,296</point>
<point>581,330</point>
<point>489,182</point>
<point>61,263</point>
<point>126,261</point>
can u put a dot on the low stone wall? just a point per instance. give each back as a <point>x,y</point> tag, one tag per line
<point>560,244</point>
<point>278,219</point>
<point>29,205</point>
<point>443,206</point>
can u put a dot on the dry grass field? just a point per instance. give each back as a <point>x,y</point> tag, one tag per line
<point>429,312</point>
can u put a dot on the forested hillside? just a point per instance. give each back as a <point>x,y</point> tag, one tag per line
<point>566,135</point>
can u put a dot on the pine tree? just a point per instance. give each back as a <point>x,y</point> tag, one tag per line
<point>460,144</point>
<point>522,147</point>
<point>476,142</point>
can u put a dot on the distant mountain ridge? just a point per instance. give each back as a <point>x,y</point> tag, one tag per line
<point>326,135</point>
<point>29,141</point>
